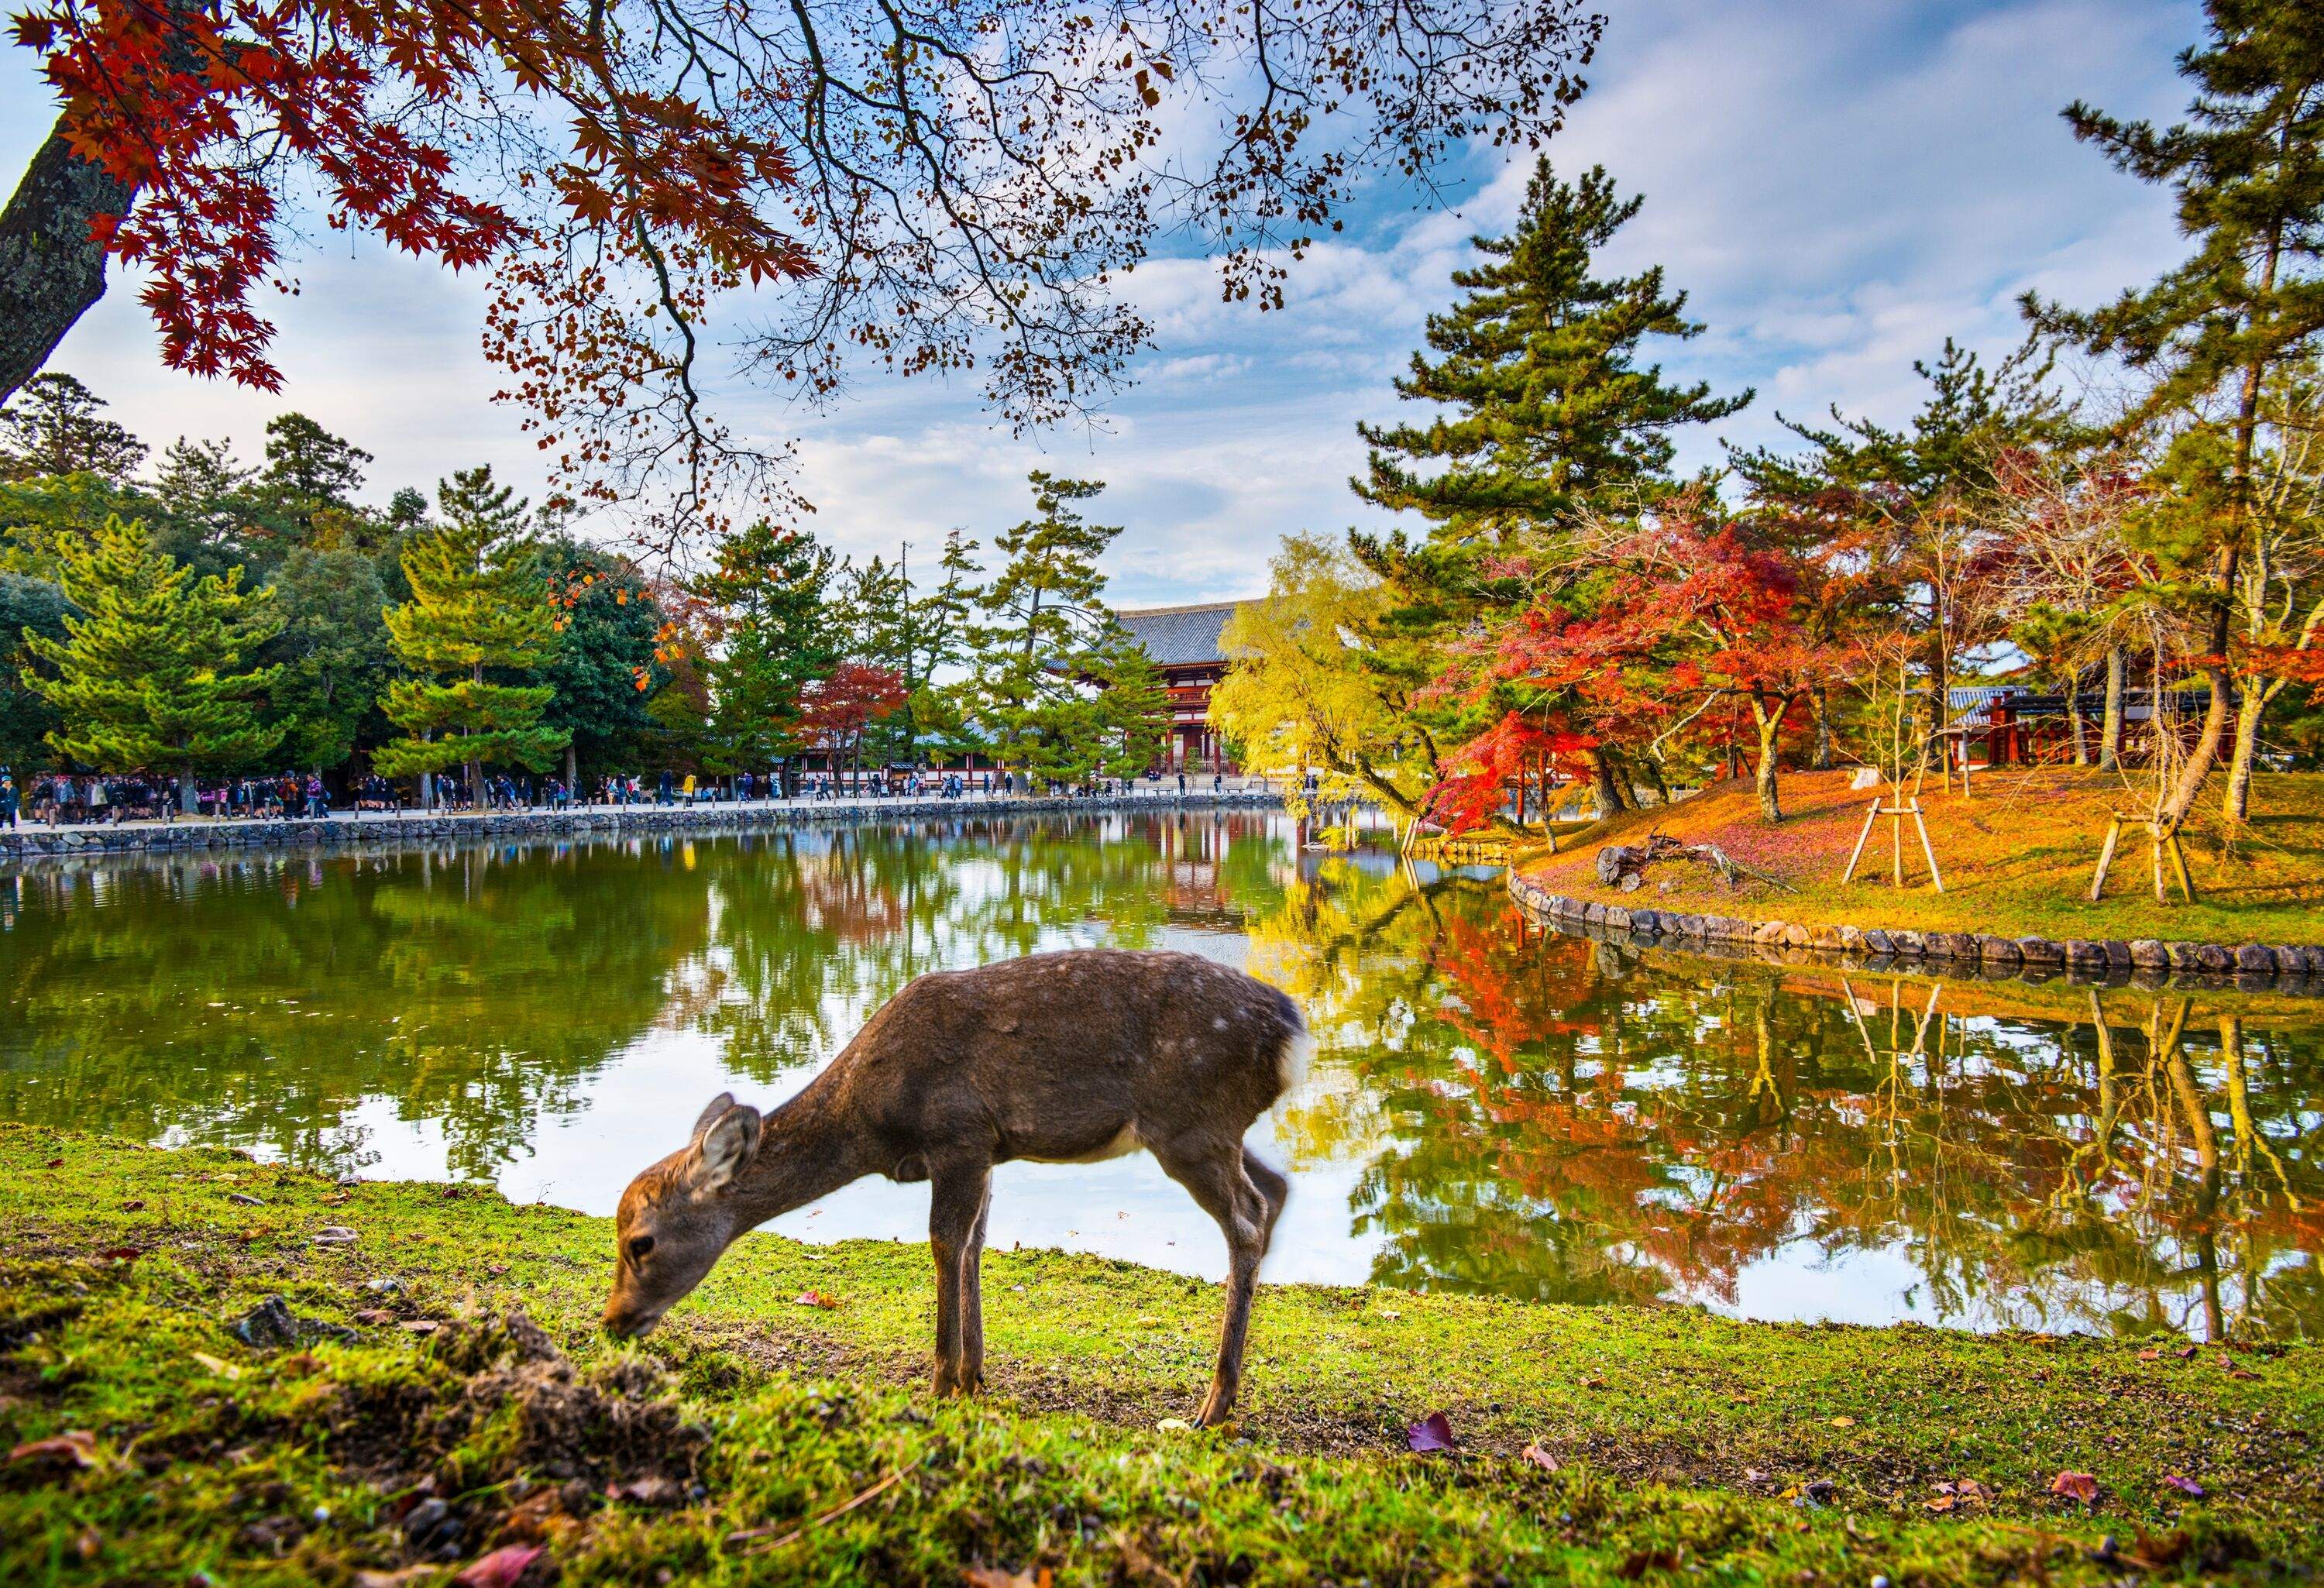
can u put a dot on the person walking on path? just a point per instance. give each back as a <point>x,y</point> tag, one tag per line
<point>9,799</point>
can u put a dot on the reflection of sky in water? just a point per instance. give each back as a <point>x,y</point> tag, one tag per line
<point>1493,1108</point>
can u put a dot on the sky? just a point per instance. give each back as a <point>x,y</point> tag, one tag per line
<point>1837,186</point>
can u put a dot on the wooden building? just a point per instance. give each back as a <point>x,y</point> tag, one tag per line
<point>1183,643</point>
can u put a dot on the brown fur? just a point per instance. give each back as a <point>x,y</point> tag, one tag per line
<point>1052,1057</point>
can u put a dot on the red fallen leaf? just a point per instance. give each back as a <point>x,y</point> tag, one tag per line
<point>1943,1502</point>
<point>122,1253</point>
<point>1541,1458</point>
<point>496,1268</point>
<point>2080,1486</point>
<point>2149,1354</point>
<point>2186,1352</point>
<point>1969,1489</point>
<point>373,1314</point>
<point>994,1577</point>
<point>815,1299</point>
<point>501,1568</point>
<point>77,1447</point>
<point>2185,1485</point>
<point>132,1207</point>
<point>1431,1434</point>
<point>1593,1383</point>
<point>56,1163</point>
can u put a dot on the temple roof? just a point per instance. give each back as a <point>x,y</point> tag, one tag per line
<point>1178,636</point>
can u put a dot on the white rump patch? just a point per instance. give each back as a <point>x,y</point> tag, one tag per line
<point>1291,1064</point>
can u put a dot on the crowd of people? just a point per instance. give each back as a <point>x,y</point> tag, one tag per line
<point>71,798</point>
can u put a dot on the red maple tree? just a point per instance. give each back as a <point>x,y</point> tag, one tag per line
<point>836,710</point>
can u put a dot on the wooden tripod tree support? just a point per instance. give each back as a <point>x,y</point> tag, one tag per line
<point>1896,814</point>
<point>2165,835</point>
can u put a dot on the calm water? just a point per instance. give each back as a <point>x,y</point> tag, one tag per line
<point>1494,1109</point>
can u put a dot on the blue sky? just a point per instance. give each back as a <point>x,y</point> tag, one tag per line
<point>1837,184</point>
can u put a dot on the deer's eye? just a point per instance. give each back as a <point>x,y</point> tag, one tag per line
<point>639,1246</point>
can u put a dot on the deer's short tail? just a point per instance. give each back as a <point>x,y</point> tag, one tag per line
<point>1292,1059</point>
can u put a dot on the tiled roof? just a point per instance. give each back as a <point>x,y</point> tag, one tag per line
<point>1176,636</point>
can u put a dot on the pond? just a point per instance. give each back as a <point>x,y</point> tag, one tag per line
<point>1494,1108</point>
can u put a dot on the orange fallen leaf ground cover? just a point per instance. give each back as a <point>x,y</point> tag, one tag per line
<point>2017,855</point>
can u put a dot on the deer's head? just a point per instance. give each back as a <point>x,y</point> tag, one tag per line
<point>678,1215</point>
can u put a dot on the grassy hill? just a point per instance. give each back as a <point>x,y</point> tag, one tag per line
<point>1597,1446</point>
<point>2017,855</point>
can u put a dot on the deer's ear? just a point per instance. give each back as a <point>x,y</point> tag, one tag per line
<point>709,1116</point>
<point>726,1149</point>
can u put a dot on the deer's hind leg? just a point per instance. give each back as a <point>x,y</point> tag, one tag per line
<point>971,1373</point>
<point>957,1197</point>
<point>1213,1173</point>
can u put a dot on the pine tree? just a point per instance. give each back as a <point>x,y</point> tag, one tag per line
<point>51,427</point>
<point>770,586</point>
<point>1540,360</point>
<point>145,678</point>
<point>2248,170</point>
<point>1031,663</point>
<point>310,470</point>
<point>479,606</point>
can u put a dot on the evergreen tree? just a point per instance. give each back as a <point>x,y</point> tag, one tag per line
<point>605,668</point>
<point>771,585</point>
<point>205,492</point>
<point>1540,360</point>
<point>2248,170</point>
<point>333,652</point>
<point>145,678</point>
<point>27,718</point>
<point>479,611</point>
<point>1033,662</point>
<point>309,470</point>
<point>1133,704</point>
<point>51,427</point>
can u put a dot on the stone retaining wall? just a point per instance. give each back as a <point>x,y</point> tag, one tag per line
<point>2148,960</point>
<point>348,831</point>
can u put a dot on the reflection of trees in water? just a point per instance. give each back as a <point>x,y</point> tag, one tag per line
<point>259,1000</point>
<point>1549,1117</point>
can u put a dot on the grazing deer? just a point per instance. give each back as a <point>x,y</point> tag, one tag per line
<point>1061,1058</point>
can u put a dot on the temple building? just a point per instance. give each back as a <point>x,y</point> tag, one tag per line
<point>1183,643</point>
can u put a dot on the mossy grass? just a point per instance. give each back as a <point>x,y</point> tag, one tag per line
<point>1684,1445</point>
<point>2016,853</point>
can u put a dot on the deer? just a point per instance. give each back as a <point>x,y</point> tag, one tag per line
<point>1065,1057</point>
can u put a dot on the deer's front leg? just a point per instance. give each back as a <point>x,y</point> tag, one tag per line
<point>956,1193</point>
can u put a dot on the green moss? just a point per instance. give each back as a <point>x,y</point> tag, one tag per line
<point>1684,1443</point>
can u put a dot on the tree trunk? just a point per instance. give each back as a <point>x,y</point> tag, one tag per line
<point>572,767</point>
<point>1820,710</point>
<point>2204,755</point>
<point>1601,778</point>
<point>50,269</point>
<point>190,799</point>
<point>2236,805</point>
<point>1771,805</point>
<point>2110,733</point>
<point>2074,717</point>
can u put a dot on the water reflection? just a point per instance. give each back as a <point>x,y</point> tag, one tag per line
<point>1499,1109</point>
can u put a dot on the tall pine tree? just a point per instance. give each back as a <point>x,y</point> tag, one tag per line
<point>769,587</point>
<point>2248,170</point>
<point>479,608</point>
<point>145,678</point>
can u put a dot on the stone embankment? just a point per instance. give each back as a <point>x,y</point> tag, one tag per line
<point>2146,961</point>
<point>385,828</point>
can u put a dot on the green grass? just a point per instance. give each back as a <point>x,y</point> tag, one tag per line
<point>1684,1445</point>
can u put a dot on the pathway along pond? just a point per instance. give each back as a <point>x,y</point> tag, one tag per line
<point>1495,1108</point>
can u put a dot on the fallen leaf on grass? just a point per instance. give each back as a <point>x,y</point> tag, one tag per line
<point>2186,1352</point>
<point>77,1447</point>
<point>1942,1503</point>
<point>132,1207</point>
<point>994,1577</point>
<point>646,1491</point>
<point>56,1163</point>
<point>222,1368</point>
<point>2080,1486</point>
<point>2185,1485</point>
<point>815,1299</point>
<point>1593,1383</point>
<point>420,1325</point>
<point>2149,1354</point>
<point>122,1253</point>
<point>333,1235</point>
<point>1639,1563</point>
<point>1540,1458</point>
<point>1173,1425</point>
<point>501,1568</point>
<point>402,1578</point>
<point>496,1268</point>
<point>374,1316</point>
<point>1843,1422</point>
<point>1431,1434</point>
<point>244,1199</point>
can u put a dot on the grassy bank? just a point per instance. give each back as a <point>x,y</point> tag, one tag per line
<point>2017,855</point>
<point>1667,1444</point>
